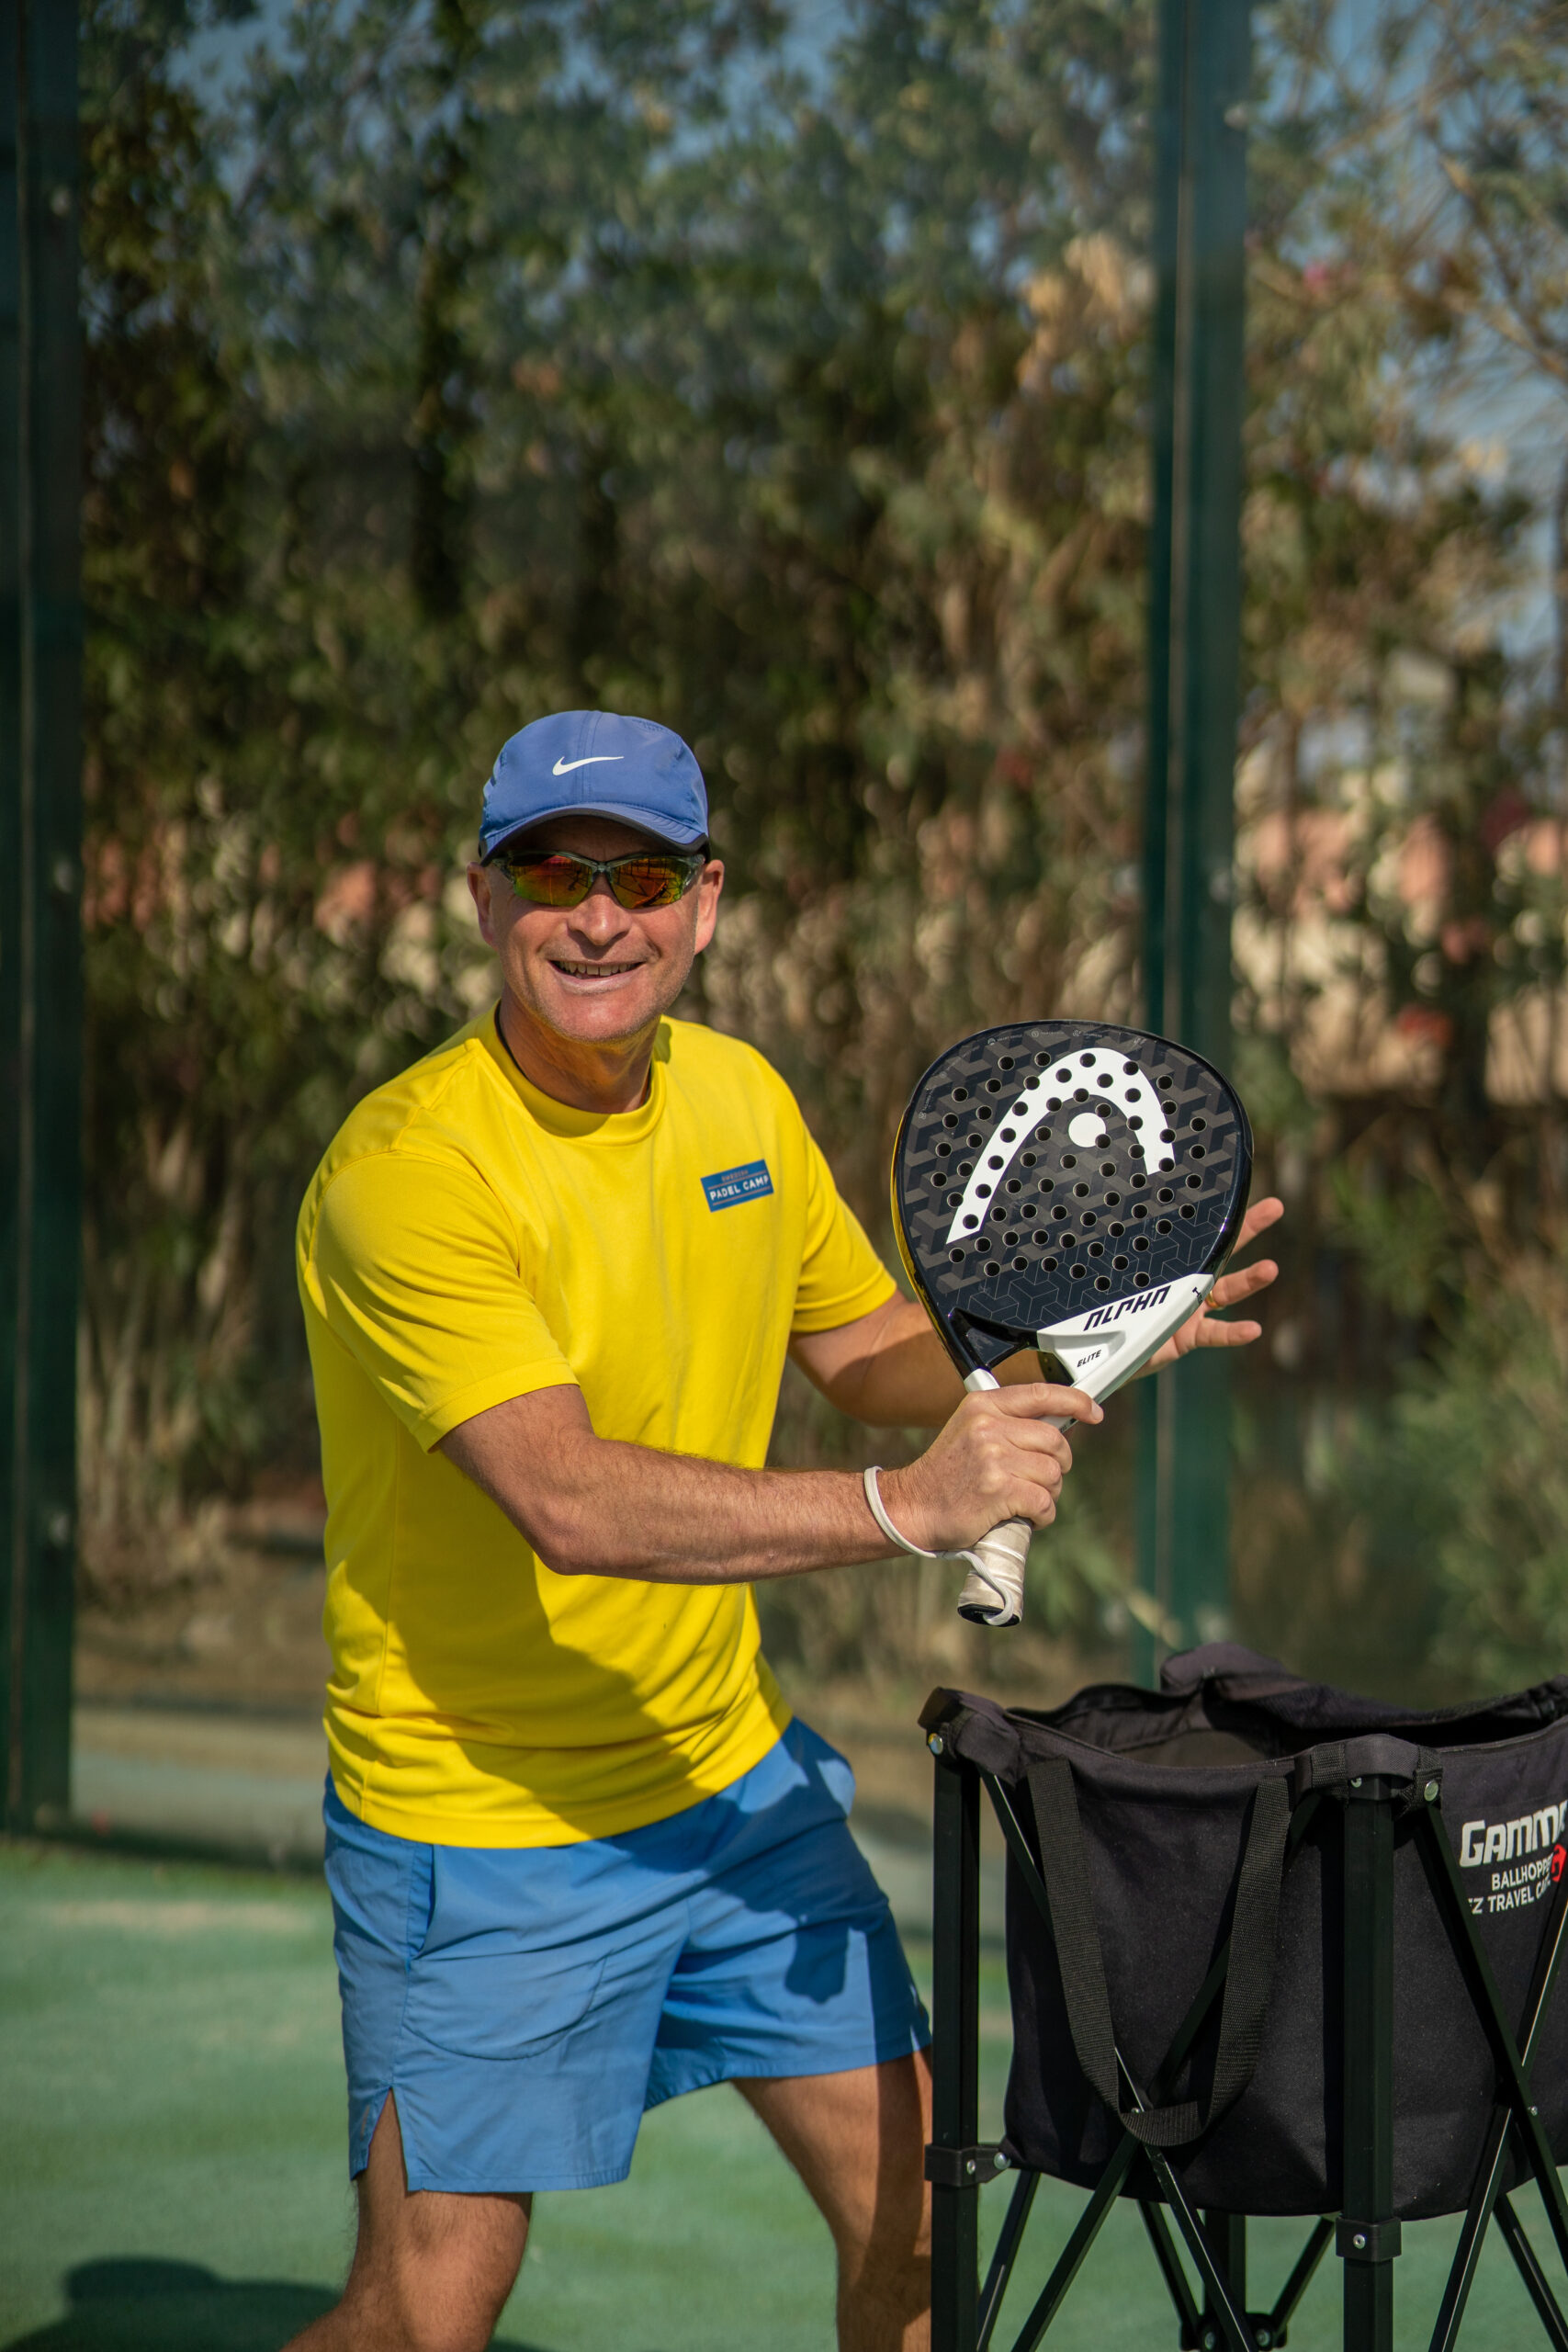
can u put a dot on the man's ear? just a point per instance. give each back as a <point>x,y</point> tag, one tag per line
<point>481,883</point>
<point>710,885</point>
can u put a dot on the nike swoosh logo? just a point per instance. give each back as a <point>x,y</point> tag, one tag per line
<point>564,767</point>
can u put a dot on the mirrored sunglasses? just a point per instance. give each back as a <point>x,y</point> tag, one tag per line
<point>647,878</point>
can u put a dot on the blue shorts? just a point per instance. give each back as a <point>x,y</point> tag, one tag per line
<point>527,2004</point>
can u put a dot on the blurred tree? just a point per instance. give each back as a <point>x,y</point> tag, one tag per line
<point>471,362</point>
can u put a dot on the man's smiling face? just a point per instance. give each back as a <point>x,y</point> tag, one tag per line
<point>598,974</point>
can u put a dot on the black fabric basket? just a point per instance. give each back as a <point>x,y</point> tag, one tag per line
<point>1169,1829</point>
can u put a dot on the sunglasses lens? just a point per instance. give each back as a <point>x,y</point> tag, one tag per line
<point>641,882</point>
<point>555,881</point>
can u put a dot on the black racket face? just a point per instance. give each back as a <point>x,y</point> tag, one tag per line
<point>1052,1167</point>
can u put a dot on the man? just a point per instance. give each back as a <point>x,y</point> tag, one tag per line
<point>582,1857</point>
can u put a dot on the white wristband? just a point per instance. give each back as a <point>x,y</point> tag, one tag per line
<point>879,1512</point>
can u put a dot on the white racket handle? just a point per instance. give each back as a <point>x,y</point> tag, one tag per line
<point>992,1591</point>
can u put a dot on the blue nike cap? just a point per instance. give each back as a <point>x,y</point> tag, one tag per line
<point>594,762</point>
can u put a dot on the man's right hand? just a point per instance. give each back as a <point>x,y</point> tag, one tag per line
<point>997,1458</point>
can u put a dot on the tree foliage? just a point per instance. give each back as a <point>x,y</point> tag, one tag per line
<point>469,362</point>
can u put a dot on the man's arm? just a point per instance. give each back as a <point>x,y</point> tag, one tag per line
<point>890,1369</point>
<point>594,1506</point>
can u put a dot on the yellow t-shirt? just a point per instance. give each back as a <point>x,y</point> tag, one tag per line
<point>467,1240</point>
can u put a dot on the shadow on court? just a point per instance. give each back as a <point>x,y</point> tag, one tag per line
<point>150,2306</point>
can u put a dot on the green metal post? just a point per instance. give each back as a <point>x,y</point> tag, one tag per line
<point>40,988</point>
<point>1195,633</point>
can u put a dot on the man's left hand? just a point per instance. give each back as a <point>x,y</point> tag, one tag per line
<point>1201,1330</point>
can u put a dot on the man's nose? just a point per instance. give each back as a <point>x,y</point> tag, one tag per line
<point>600,916</point>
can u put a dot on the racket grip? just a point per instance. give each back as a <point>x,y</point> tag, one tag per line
<point>993,1592</point>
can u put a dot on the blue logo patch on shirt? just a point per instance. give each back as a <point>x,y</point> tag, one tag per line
<point>732,1184</point>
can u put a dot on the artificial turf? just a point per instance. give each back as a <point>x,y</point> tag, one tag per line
<point>172,2168</point>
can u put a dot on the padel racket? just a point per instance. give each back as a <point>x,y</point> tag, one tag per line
<point>1072,1188</point>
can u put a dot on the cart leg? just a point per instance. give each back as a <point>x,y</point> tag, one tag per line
<point>1226,2238</point>
<point>955,2051</point>
<point>1368,2235</point>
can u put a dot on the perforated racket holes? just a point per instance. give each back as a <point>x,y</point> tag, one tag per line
<point>1004,1061</point>
<point>1199,1123</point>
<point>956,1257</point>
<point>1020,1265</point>
<point>1120,1264</point>
<point>1188,1209</point>
<point>1050,1264</point>
<point>1079,1273</point>
<point>1140,1241</point>
<point>1164,1193</point>
<point>1164,1225</point>
<point>1194,1183</point>
<point>1140,1282</point>
<point>961,1094</point>
<point>950,1120</point>
<point>1102,1282</point>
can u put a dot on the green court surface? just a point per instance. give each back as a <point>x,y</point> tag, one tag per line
<point>171,2170</point>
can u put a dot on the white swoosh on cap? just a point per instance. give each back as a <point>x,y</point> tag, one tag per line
<point>564,767</point>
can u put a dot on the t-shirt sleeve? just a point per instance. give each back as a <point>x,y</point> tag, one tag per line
<point>412,1267</point>
<point>841,1277</point>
